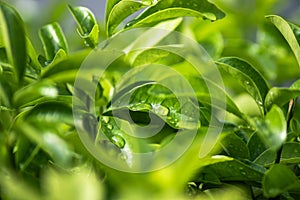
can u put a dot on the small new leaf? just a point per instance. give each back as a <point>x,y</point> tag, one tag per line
<point>88,28</point>
<point>53,40</point>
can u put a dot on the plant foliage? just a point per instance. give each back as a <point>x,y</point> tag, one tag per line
<point>257,153</point>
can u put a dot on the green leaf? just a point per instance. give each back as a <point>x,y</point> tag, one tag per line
<point>34,63</point>
<point>287,31</point>
<point>280,179</point>
<point>169,9</point>
<point>159,100</point>
<point>296,31</point>
<point>290,153</point>
<point>267,158</point>
<point>234,146</point>
<point>248,76</point>
<point>235,170</point>
<point>125,141</point>
<point>119,11</point>
<point>204,90</point>
<point>48,140</point>
<point>272,129</point>
<point>14,39</point>
<point>65,70</point>
<point>216,93</point>
<point>25,152</point>
<point>109,5</point>
<point>256,146</point>
<point>281,96</point>
<point>53,40</point>
<point>156,55</point>
<point>151,37</point>
<point>34,91</point>
<point>51,112</point>
<point>88,27</point>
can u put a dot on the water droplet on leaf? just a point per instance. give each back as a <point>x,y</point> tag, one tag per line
<point>160,110</point>
<point>118,141</point>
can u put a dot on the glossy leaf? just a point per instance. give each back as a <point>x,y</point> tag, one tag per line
<point>53,40</point>
<point>280,179</point>
<point>256,146</point>
<point>88,27</point>
<point>235,170</point>
<point>120,11</point>
<point>290,155</point>
<point>272,129</point>
<point>51,112</point>
<point>234,146</point>
<point>287,31</point>
<point>34,91</point>
<point>65,70</point>
<point>281,96</point>
<point>32,55</point>
<point>169,9</point>
<point>151,37</point>
<point>14,39</point>
<point>156,55</point>
<point>266,158</point>
<point>125,140</point>
<point>159,100</point>
<point>109,6</point>
<point>50,142</point>
<point>248,76</point>
<point>205,96</point>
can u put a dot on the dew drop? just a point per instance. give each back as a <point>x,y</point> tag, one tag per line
<point>118,141</point>
<point>160,110</point>
<point>132,22</point>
